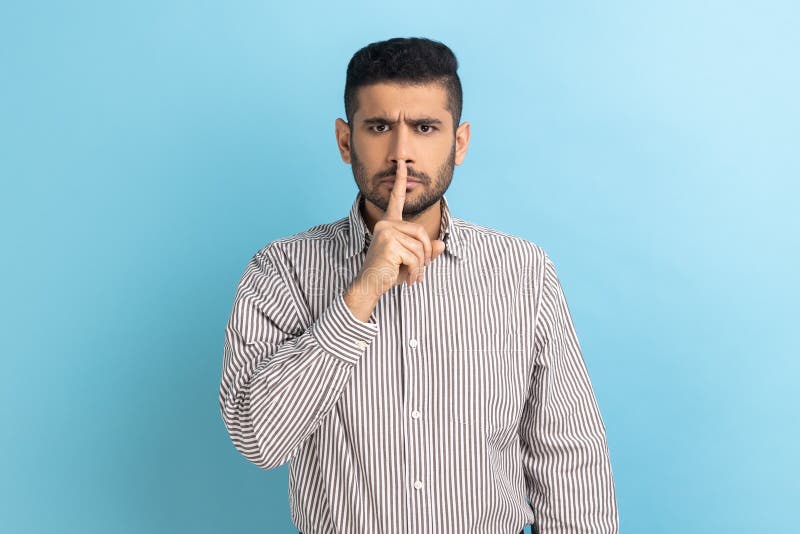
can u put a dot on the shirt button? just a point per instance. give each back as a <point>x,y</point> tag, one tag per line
<point>413,343</point>
<point>416,414</point>
<point>418,484</point>
<point>361,344</point>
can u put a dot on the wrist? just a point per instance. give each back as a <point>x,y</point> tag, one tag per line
<point>360,299</point>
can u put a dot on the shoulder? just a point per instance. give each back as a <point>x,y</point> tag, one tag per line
<point>493,242</point>
<point>319,237</point>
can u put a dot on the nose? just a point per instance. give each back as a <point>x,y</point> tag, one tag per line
<point>401,148</point>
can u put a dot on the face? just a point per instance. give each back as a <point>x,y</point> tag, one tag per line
<point>406,122</point>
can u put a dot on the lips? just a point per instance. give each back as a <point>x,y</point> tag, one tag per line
<point>408,180</point>
<point>411,185</point>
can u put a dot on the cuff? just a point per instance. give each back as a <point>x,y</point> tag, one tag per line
<point>341,334</point>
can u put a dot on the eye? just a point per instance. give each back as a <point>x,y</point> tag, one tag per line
<point>375,128</point>
<point>425,128</point>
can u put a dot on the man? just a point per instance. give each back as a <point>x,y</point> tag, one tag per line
<point>420,373</point>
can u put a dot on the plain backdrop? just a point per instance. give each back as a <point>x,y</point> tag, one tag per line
<point>149,149</point>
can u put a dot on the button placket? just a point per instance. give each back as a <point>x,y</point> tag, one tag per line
<point>416,469</point>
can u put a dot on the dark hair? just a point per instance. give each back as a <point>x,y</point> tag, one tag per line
<point>412,60</point>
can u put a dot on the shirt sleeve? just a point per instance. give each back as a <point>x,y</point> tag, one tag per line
<point>281,377</point>
<point>565,453</point>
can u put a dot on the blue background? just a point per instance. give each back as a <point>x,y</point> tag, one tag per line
<point>148,149</point>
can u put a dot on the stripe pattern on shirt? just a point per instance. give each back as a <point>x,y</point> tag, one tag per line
<point>462,405</point>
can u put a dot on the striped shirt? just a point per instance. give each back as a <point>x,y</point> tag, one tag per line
<point>462,405</point>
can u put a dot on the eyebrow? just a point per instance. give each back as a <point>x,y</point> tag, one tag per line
<point>411,122</point>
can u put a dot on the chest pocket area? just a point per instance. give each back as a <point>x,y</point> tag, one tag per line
<point>484,381</point>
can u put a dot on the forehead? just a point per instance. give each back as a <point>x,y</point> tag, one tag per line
<point>393,99</point>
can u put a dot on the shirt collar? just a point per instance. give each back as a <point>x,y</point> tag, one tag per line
<point>360,236</point>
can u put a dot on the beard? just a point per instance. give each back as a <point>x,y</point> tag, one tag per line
<point>431,191</point>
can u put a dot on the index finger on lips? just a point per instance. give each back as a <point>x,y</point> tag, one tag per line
<point>398,197</point>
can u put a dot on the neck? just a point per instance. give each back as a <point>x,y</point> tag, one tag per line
<point>430,219</point>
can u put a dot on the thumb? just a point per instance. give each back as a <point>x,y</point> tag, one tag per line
<point>437,247</point>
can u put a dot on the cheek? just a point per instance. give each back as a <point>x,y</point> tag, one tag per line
<point>370,152</point>
<point>433,161</point>
<point>441,149</point>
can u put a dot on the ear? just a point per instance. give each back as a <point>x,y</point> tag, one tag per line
<point>343,139</point>
<point>462,142</point>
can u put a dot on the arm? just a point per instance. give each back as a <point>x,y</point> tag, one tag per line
<point>565,454</point>
<point>280,378</point>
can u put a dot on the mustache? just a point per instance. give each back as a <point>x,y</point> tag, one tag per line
<point>421,176</point>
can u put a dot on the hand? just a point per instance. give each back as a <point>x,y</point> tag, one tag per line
<point>399,250</point>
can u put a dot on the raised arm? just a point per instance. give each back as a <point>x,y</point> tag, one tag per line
<point>280,378</point>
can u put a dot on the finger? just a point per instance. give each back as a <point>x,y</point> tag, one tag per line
<point>437,247</point>
<point>398,197</point>
<point>418,232</point>
<point>415,247</point>
<point>410,261</point>
<point>404,275</point>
